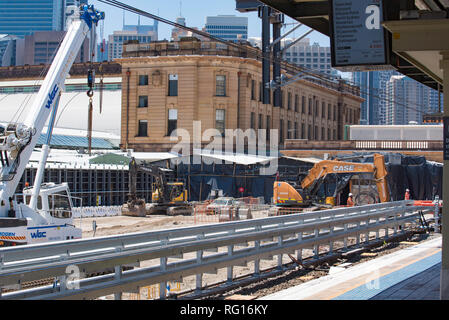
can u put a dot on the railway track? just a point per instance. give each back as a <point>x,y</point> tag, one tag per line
<point>273,279</point>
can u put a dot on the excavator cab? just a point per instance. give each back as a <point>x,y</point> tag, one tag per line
<point>284,194</point>
<point>178,192</point>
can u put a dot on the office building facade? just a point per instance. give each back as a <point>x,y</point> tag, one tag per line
<point>313,57</point>
<point>408,101</point>
<point>309,56</point>
<point>141,33</point>
<point>7,50</point>
<point>373,89</point>
<point>391,98</point>
<point>227,27</point>
<point>40,48</point>
<point>178,33</point>
<point>23,17</point>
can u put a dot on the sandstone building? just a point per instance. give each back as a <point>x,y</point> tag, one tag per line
<point>168,85</point>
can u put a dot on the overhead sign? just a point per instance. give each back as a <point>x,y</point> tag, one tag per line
<point>247,5</point>
<point>358,39</point>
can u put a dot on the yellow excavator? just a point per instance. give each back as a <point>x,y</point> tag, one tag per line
<point>169,196</point>
<point>285,195</point>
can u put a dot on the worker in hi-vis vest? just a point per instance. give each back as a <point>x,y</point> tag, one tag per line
<point>407,194</point>
<point>350,201</point>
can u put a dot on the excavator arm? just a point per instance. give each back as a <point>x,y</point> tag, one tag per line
<point>325,167</point>
<point>167,190</point>
<point>285,194</point>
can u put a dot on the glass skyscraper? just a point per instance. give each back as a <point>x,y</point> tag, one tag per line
<point>23,17</point>
<point>227,27</point>
<point>373,89</point>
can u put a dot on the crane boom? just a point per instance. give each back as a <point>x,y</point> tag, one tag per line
<point>19,140</point>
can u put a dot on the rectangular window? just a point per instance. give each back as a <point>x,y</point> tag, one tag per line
<point>303,107</point>
<point>143,128</point>
<point>253,120</point>
<point>335,113</point>
<point>260,92</point>
<point>172,85</point>
<point>289,101</point>
<point>309,132</point>
<point>296,103</point>
<point>281,131</point>
<point>315,133</point>
<point>172,121</point>
<point>220,84</point>
<point>253,89</point>
<point>260,121</point>
<point>329,112</point>
<point>303,129</point>
<point>268,127</point>
<point>323,133</point>
<point>289,130</point>
<point>310,106</point>
<point>220,116</point>
<point>143,80</point>
<point>282,99</point>
<point>143,101</point>
<point>323,110</point>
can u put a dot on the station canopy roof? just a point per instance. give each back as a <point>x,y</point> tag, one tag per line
<point>70,142</point>
<point>238,158</point>
<point>315,14</point>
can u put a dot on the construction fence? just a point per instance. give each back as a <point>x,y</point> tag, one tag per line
<point>244,208</point>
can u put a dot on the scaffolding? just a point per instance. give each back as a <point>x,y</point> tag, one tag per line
<point>96,185</point>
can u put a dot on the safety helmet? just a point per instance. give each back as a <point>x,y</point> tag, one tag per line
<point>407,190</point>
<point>350,194</point>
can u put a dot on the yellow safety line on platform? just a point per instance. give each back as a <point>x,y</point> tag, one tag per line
<point>382,275</point>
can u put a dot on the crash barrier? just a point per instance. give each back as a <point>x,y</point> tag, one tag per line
<point>281,211</point>
<point>181,252</point>
<point>86,212</point>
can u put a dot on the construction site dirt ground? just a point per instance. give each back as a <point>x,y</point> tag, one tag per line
<point>107,226</point>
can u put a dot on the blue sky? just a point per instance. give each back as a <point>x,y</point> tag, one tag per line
<point>195,12</point>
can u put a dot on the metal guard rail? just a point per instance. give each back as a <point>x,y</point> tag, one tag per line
<point>284,234</point>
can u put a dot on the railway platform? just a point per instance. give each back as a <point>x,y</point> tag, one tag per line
<point>408,274</point>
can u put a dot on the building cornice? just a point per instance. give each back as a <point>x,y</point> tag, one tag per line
<point>126,62</point>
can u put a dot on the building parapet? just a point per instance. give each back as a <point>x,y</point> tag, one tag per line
<point>300,144</point>
<point>39,71</point>
<point>194,46</point>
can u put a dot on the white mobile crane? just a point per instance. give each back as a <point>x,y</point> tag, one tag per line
<point>46,213</point>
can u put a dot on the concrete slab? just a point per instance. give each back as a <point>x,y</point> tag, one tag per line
<point>370,279</point>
